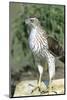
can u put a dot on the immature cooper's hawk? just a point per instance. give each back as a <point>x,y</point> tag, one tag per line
<point>39,45</point>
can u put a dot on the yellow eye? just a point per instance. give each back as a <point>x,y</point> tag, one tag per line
<point>32,20</point>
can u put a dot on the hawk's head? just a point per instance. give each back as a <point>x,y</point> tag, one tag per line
<point>32,22</point>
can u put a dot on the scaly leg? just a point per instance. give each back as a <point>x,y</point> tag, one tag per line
<point>49,87</point>
<point>51,66</point>
<point>40,69</point>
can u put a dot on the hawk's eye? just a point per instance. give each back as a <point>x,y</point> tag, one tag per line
<point>32,20</point>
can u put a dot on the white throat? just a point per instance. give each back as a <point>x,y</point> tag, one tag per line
<point>32,39</point>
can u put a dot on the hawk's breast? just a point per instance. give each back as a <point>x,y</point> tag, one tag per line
<point>37,41</point>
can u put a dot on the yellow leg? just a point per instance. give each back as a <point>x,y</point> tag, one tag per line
<point>40,69</point>
<point>38,85</point>
<point>39,82</point>
<point>49,87</point>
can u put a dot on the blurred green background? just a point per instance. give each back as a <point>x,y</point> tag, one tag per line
<point>52,20</point>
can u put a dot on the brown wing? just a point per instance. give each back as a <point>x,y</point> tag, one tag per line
<point>55,47</point>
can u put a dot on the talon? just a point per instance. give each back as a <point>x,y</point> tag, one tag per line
<point>34,89</point>
<point>50,90</point>
<point>54,92</point>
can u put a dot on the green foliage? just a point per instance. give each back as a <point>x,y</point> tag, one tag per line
<point>51,18</point>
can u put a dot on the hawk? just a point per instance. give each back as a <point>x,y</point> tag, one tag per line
<point>38,44</point>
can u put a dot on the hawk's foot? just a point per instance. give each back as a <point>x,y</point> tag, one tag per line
<point>50,90</point>
<point>40,87</point>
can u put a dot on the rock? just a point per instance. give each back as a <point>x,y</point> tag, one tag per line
<point>24,88</point>
<point>58,86</point>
